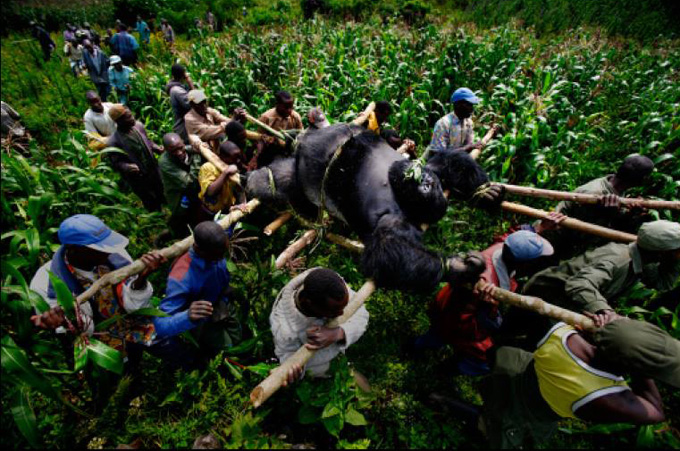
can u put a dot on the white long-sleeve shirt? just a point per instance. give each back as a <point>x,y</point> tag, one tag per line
<point>100,123</point>
<point>289,327</point>
<point>132,299</point>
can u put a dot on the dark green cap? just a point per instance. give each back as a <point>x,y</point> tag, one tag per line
<point>641,348</point>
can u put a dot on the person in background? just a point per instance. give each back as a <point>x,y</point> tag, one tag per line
<point>178,89</point>
<point>282,116</point>
<point>69,33</point>
<point>579,375</point>
<point>197,299</point>
<point>205,122</point>
<point>137,164</point>
<point>119,78</point>
<point>91,34</point>
<point>74,52</point>
<point>47,45</point>
<point>125,45</point>
<point>317,118</point>
<point>379,116</point>
<point>299,317</point>
<point>633,172</point>
<point>168,32</point>
<point>89,250</point>
<point>97,64</point>
<point>218,191</point>
<point>455,130</point>
<point>107,39</point>
<point>210,21</point>
<point>98,123</point>
<point>179,167</point>
<point>143,30</point>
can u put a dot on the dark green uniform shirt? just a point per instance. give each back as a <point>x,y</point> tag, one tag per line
<point>594,279</point>
<point>177,176</point>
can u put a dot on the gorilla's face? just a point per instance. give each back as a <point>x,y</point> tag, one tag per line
<point>421,199</point>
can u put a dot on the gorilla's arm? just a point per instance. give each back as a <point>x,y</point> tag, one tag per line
<point>395,258</point>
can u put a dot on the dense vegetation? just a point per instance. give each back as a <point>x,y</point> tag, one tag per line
<point>569,108</point>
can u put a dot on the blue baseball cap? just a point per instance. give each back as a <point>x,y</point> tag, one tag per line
<point>525,245</point>
<point>90,231</point>
<point>465,94</point>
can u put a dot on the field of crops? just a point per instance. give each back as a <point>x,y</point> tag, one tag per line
<point>570,108</point>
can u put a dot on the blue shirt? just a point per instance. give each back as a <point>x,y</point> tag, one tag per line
<point>119,80</point>
<point>143,30</point>
<point>191,279</point>
<point>124,45</point>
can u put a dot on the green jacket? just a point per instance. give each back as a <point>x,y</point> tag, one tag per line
<point>177,177</point>
<point>589,213</point>
<point>594,279</point>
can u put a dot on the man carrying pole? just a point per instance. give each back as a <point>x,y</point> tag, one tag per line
<point>592,281</point>
<point>300,315</point>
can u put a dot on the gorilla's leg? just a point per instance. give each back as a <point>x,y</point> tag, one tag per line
<point>274,183</point>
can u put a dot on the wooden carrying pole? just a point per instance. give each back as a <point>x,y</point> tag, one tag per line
<point>255,136</point>
<point>587,198</point>
<point>291,251</point>
<point>540,306</point>
<point>273,382</point>
<point>211,157</point>
<point>352,245</point>
<point>170,252</point>
<point>571,223</point>
<point>363,117</point>
<point>277,223</point>
<point>485,140</point>
<point>259,123</point>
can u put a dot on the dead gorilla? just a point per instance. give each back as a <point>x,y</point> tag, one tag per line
<point>361,180</point>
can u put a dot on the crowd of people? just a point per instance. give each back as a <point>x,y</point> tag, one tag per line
<point>536,371</point>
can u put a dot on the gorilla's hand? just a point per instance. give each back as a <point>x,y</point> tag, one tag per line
<point>464,269</point>
<point>489,196</point>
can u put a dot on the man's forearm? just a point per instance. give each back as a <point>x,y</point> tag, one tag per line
<point>646,388</point>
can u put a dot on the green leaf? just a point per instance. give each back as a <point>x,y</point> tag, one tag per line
<point>79,354</point>
<point>330,410</point>
<point>172,397</point>
<point>14,360</point>
<point>233,370</point>
<point>261,369</point>
<point>333,425</point>
<point>105,356</point>
<point>308,415</point>
<point>24,417</point>
<point>645,437</point>
<point>149,311</point>
<point>355,418</point>
<point>64,296</point>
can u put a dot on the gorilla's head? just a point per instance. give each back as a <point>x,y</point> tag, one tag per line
<point>417,191</point>
<point>458,173</point>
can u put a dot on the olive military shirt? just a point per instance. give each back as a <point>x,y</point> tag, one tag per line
<point>592,280</point>
<point>590,213</point>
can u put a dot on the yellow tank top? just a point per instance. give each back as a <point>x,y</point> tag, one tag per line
<point>567,382</point>
<point>373,123</point>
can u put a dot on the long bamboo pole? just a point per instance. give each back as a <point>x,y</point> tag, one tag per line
<point>540,306</point>
<point>273,382</point>
<point>255,136</point>
<point>363,117</point>
<point>277,223</point>
<point>571,223</point>
<point>259,123</point>
<point>291,251</point>
<point>170,252</point>
<point>352,245</point>
<point>209,155</point>
<point>587,198</point>
<point>485,140</point>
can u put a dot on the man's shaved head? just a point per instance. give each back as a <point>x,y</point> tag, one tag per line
<point>210,241</point>
<point>634,169</point>
<point>171,140</point>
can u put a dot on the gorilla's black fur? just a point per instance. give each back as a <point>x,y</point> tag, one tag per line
<point>360,179</point>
